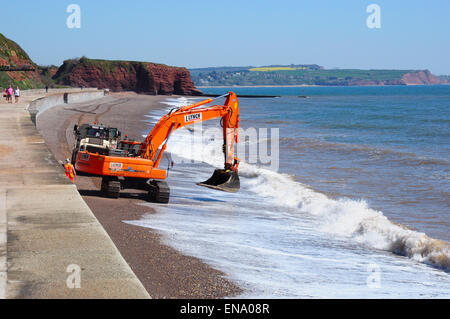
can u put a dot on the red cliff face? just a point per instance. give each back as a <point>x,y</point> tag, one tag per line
<point>141,77</point>
<point>14,57</point>
<point>421,77</point>
<point>167,80</point>
<point>411,78</point>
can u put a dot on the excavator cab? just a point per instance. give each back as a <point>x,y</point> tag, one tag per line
<point>94,138</point>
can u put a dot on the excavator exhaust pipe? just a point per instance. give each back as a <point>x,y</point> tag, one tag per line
<point>223,180</point>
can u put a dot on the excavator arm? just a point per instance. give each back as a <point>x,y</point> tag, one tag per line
<point>155,144</point>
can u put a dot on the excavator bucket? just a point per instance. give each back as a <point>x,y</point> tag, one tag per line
<point>224,180</point>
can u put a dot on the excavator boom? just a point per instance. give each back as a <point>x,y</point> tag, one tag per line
<point>188,115</point>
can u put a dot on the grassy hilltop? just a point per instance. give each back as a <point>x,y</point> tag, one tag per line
<point>308,75</point>
<point>117,75</point>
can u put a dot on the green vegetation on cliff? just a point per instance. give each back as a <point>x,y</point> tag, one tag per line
<point>11,51</point>
<point>108,66</point>
<point>12,60</point>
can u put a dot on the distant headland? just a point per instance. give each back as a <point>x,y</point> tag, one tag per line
<point>309,75</point>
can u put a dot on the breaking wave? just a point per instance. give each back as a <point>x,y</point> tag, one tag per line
<point>345,217</point>
<point>349,218</point>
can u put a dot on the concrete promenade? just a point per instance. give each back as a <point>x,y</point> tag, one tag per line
<point>50,241</point>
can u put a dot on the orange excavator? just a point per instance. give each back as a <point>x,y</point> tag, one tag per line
<point>135,165</point>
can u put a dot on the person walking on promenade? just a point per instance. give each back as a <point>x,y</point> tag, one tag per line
<point>70,170</point>
<point>9,92</point>
<point>17,94</point>
<point>46,89</point>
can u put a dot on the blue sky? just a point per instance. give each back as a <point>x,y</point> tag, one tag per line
<point>413,35</point>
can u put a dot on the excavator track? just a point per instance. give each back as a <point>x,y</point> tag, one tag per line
<point>159,192</point>
<point>110,187</point>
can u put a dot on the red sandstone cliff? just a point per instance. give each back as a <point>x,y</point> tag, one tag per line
<point>421,77</point>
<point>411,78</point>
<point>141,77</point>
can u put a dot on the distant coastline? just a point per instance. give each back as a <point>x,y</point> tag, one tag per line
<point>254,86</point>
<point>309,75</point>
<point>304,85</point>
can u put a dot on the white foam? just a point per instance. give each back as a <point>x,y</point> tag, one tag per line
<point>178,102</point>
<point>350,218</point>
<point>345,217</point>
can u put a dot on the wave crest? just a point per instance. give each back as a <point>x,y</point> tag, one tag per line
<point>344,217</point>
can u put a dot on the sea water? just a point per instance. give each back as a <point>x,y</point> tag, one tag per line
<point>359,205</point>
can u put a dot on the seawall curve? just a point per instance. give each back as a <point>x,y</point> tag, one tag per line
<point>51,244</point>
